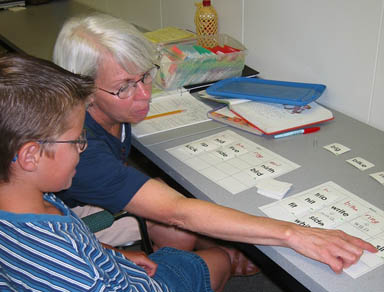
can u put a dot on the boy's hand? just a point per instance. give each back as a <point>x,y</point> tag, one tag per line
<point>138,257</point>
<point>142,260</point>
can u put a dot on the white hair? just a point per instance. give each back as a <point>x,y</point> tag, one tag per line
<point>83,40</point>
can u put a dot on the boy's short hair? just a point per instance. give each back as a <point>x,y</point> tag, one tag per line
<point>36,96</point>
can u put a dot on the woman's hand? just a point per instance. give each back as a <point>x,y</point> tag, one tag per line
<point>335,248</point>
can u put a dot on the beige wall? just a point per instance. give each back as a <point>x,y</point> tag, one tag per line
<point>339,43</point>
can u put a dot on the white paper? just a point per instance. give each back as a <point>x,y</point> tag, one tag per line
<point>331,206</point>
<point>229,101</point>
<point>232,161</point>
<point>194,111</point>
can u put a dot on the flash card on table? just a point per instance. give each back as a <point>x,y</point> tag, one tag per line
<point>360,163</point>
<point>272,188</point>
<point>379,176</point>
<point>336,148</point>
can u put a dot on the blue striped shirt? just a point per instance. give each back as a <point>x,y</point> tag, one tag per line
<point>58,253</point>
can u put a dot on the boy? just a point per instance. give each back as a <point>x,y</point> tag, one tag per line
<point>44,246</point>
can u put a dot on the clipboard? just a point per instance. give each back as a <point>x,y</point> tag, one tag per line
<point>273,91</point>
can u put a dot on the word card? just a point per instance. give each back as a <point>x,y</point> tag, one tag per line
<point>336,148</point>
<point>360,163</point>
<point>332,207</point>
<point>232,161</point>
<point>379,176</point>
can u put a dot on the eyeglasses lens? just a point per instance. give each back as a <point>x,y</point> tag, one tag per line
<point>129,89</point>
<point>150,75</point>
<point>83,141</point>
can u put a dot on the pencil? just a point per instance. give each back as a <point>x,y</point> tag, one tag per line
<point>163,114</point>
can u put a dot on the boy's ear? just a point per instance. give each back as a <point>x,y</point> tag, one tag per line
<point>28,156</point>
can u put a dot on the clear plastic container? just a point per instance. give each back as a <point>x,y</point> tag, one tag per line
<point>179,67</point>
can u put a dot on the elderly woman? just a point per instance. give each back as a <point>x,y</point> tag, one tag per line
<point>121,61</point>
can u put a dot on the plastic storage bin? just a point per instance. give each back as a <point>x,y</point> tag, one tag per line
<point>188,62</point>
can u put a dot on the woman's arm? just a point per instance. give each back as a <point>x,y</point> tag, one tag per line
<point>157,201</point>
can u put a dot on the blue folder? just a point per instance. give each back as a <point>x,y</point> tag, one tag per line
<point>283,92</point>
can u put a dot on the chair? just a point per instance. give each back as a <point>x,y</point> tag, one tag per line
<point>104,219</point>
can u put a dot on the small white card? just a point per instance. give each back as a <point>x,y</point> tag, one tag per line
<point>379,176</point>
<point>360,163</point>
<point>272,188</point>
<point>336,148</point>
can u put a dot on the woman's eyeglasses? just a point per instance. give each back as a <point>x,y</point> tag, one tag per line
<point>129,88</point>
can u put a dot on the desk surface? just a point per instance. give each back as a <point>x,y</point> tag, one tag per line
<point>317,166</point>
<point>34,31</point>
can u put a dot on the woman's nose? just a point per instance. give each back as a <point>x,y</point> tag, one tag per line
<point>143,91</point>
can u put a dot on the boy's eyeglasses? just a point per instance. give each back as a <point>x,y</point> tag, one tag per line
<point>81,142</point>
<point>129,89</point>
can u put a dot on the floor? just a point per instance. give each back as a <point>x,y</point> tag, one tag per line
<point>257,283</point>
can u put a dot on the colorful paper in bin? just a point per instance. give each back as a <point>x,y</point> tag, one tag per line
<point>187,63</point>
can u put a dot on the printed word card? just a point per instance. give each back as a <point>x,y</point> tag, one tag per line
<point>331,206</point>
<point>379,176</point>
<point>337,148</point>
<point>232,161</point>
<point>360,163</point>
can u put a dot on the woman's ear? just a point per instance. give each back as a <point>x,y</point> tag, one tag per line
<point>91,99</point>
<point>28,156</point>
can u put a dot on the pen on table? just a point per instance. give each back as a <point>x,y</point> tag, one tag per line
<point>163,114</point>
<point>296,132</point>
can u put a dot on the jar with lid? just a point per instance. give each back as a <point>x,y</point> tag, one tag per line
<point>206,22</point>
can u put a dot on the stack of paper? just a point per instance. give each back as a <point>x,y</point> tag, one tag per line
<point>267,118</point>
<point>168,34</point>
<point>273,118</point>
<point>272,188</point>
<point>168,112</point>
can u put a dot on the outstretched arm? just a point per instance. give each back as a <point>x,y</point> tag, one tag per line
<point>157,201</point>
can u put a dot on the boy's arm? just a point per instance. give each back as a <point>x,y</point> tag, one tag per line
<point>138,257</point>
<point>159,202</point>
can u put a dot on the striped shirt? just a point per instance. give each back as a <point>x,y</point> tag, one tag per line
<point>58,253</point>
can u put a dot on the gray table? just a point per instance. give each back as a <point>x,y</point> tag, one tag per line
<point>34,31</point>
<point>317,166</point>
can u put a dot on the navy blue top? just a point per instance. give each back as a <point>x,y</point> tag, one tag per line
<point>102,179</point>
